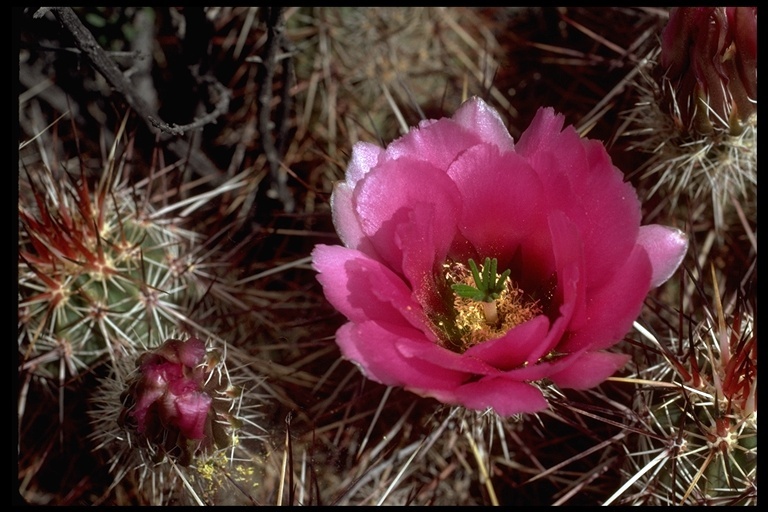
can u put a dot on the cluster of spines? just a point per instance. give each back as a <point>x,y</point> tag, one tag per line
<point>95,273</point>
<point>697,410</point>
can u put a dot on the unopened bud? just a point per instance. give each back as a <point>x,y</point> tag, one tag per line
<point>709,66</point>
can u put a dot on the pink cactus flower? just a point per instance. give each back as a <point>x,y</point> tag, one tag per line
<point>169,394</point>
<point>474,267</point>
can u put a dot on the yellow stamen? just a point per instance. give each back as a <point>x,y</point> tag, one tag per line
<point>478,321</point>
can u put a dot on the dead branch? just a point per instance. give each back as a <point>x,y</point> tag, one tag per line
<point>275,41</point>
<point>106,66</point>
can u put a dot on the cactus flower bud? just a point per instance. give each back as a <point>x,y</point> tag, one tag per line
<point>166,402</point>
<point>709,66</point>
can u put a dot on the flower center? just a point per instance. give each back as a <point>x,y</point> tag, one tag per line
<point>486,305</point>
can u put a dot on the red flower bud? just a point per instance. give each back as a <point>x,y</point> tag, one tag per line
<point>709,61</point>
<point>167,402</point>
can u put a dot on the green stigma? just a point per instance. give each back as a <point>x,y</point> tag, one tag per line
<point>487,289</point>
<point>488,286</point>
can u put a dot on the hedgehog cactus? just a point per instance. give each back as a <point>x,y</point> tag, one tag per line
<point>700,412</point>
<point>698,406</point>
<point>698,116</point>
<point>103,270</point>
<point>95,272</point>
<point>182,422</point>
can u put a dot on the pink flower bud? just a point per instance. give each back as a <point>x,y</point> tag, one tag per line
<point>167,403</point>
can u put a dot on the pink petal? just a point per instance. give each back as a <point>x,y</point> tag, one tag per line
<point>183,386</point>
<point>589,370</point>
<point>373,347</point>
<point>436,142</point>
<point>611,309</point>
<point>363,289</point>
<point>546,369</point>
<point>541,136</point>
<point>666,248</point>
<point>515,347</point>
<point>364,157</point>
<point>416,235</point>
<point>157,371</point>
<point>503,209</point>
<point>345,218</point>
<point>581,181</point>
<point>191,352</point>
<point>613,213</point>
<point>505,396</point>
<point>743,26</point>
<point>408,209</point>
<point>143,403</point>
<point>478,117</point>
<point>436,354</point>
<point>570,267</point>
<point>676,38</point>
<point>191,413</point>
<point>540,370</point>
